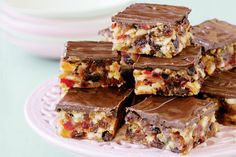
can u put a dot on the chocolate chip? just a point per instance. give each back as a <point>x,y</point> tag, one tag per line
<point>164,76</point>
<point>222,110</point>
<point>93,77</point>
<point>77,135</point>
<point>106,136</point>
<point>128,60</point>
<point>191,71</point>
<point>149,68</point>
<point>135,26</point>
<point>156,130</point>
<point>141,42</point>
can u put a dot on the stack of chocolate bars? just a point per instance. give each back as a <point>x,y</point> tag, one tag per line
<point>159,78</point>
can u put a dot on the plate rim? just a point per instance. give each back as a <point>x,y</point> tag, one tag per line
<point>66,146</point>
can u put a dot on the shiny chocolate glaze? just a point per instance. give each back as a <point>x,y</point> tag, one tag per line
<point>187,58</point>
<point>176,112</point>
<point>152,14</point>
<point>213,34</point>
<point>90,50</point>
<point>94,99</point>
<point>221,84</point>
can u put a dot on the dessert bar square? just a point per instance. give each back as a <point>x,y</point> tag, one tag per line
<point>178,76</point>
<point>88,64</point>
<point>218,40</point>
<point>222,88</point>
<point>173,123</point>
<point>94,113</point>
<point>151,29</point>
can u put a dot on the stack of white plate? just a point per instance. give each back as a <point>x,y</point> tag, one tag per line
<point>42,27</point>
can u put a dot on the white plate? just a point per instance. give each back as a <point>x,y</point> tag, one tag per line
<point>40,114</point>
<point>67,8</point>
<point>39,36</point>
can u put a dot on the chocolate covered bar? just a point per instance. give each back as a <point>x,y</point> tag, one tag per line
<point>218,39</point>
<point>172,123</point>
<point>222,87</point>
<point>178,76</point>
<point>151,29</point>
<point>92,113</point>
<point>88,64</point>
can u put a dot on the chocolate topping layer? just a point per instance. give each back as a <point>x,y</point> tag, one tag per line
<point>87,50</point>
<point>152,14</point>
<point>174,112</point>
<point>221,84</point>
<point>94,99</point>
<point>214,34</point>
<point>188,57</point>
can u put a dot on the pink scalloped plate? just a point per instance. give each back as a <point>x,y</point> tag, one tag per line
<point>40,114</point>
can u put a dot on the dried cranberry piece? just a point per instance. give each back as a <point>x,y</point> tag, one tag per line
<point>147,72</point>
<point>68,83</point>
<point>68,126</point>
<point>85,125</point>
<point>146,27</point>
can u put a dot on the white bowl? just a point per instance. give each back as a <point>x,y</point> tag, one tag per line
<point>46,37</point>
<point>67,9</point>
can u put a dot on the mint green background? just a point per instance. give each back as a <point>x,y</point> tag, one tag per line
<point>21,73</point>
